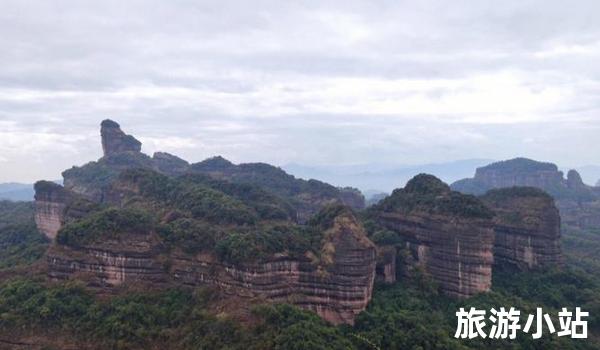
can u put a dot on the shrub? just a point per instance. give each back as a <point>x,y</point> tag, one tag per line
<point>109,223</point>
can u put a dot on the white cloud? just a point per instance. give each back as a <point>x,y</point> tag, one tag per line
<point>342,82</point>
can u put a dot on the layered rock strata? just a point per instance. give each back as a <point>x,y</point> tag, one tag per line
<point>449,235</point>
<point>337,284</point>
<point>527,226</point>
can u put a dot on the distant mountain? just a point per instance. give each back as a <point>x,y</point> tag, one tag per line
<point>16,191</point>
<point>376,177</point>
<point>579,203</point>
<point>590,174</point>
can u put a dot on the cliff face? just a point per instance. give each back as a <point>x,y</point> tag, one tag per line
<point>527,226</point>
<point>337,285</point>
<point>132,218</point>
<point>448,234</point>
<point>579,204</point>
<point>50,205</point>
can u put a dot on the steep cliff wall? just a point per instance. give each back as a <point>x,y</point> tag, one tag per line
<point>527,225</point>
<point>336,283</point>
<point>50,205</point>
<point>448,234</point>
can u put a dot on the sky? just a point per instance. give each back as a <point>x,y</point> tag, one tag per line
<point>304,82</point>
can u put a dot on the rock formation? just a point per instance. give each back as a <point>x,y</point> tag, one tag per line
<point>308,197</point>
<point>527,226</point>
<point>448,234</point>
<point>337,284</point>
<point>579,204</point>
<point>50,205</point>
<point>96,239</point>
<point>115,141</point>
<point>122,152</point>
<point>509,173</point>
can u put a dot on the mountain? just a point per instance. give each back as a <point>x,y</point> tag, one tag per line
<point>16,191</point>
<point>20,241</point>
<point>579,203</point>
<point>589,173</point>
<point>130,218</point>
<point>254,229</point>
<point>155,252</point>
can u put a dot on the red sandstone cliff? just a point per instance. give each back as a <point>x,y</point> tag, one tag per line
<point>448,234</point>
<point>527,226</point>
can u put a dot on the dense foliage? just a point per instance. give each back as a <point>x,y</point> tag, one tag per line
<point>426,193</point>
<point>108,223</point>
<point>502,194</point>
<point>261,243</point>
<point>174,318</point>
<point>265,175</point>
<point>408,315</point>
<point>20,241</point>
<point>206,199</point>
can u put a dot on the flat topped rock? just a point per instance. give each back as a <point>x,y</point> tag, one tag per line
<point>115,141</point>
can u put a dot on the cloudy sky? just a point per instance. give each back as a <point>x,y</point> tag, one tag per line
<point>323,82</point>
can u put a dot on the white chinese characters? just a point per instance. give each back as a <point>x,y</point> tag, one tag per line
<point>505,324</point>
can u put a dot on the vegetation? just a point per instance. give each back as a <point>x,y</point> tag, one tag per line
<point>408,315</point>
<point>194,197</point>
<point>266,176</point>
<point>102,173</point>
<point>108,223</point>
<point>324,219</point>
<point>426,193</point>
<point>191,235</point>
<point>413,315</point>
<point>20,241</point>
<point>174,318</point>
<point>502,194</point>
<point>261,243</point>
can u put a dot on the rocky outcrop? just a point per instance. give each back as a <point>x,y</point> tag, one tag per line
<point>115,141</point>
<point>122,152</point>
<point>337,283</point>
<point>509,173</point>
<point>111,262</point>
<point>50,206</point>
<point>448,234</point>
<point>527,226</point>
<point>56,205</point>
<point>578,203</point>
<point>574,180</point>
<point>386,264</point>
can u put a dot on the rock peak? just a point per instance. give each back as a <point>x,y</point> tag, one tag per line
<point>574,179</point>
<point>115,141</point>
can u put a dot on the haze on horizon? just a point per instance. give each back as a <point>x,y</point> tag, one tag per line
<point>325,83</point>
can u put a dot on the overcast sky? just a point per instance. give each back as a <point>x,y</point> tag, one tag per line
<point>321,82</point>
